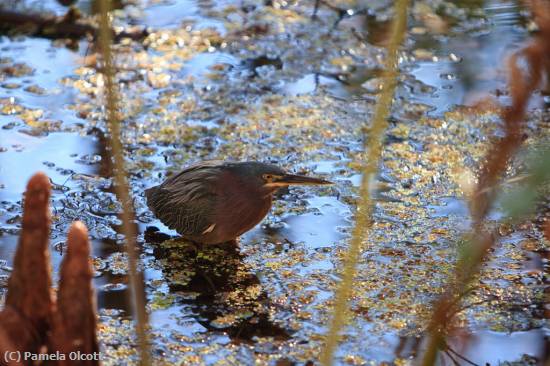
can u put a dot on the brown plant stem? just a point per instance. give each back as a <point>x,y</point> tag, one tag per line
<point>501,151</point>
<point>373,144</point>
<point>121,184</point>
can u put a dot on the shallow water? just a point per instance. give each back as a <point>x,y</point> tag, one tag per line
<point>301,101</point>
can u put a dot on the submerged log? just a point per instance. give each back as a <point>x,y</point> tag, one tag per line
<point>56,27</point>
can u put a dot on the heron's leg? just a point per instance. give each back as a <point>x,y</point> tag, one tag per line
<point>233,243</point>
<point>209,282</point>
<point>152,234</point>
<point>231,247</point>
<point>193,247</point>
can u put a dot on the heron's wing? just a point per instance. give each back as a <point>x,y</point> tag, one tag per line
<point>185,202</point>
<point>189,218</point>
<point>195,171</point>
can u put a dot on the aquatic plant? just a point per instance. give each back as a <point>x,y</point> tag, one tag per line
<point>372,145</point>
<point>121,183</point>
<point>480,241</point>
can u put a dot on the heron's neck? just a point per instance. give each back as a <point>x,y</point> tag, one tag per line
<point>267,192</point>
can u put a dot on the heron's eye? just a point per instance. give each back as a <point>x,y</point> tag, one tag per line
<point>268,177</point>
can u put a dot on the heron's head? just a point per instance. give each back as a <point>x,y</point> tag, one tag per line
<point>271,177</point>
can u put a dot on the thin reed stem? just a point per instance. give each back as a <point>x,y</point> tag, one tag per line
<point>121,184</point>
<point>373,144</point>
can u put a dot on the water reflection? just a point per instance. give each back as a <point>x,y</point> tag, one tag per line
<point>55,154</point>
<point>481,347</point>
<point>490,348</point>
<point>317,228</point>
<point>473,59</point>
<point>75,163</point>
<point>214,288</point>
<point>223,293</point>
<point>459,70</point>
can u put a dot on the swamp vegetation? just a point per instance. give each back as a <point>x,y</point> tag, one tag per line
<point>430,116</point>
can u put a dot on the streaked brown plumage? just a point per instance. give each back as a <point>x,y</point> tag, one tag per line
<point>214,202</point>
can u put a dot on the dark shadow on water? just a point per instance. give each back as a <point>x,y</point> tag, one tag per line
<point>113,293</point>
<point>250,65</point>
<point>224,295</point>
<point>105,167</point>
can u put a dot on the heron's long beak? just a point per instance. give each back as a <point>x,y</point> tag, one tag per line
<point>290,179</point>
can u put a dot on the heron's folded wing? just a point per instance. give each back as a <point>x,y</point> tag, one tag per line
<point>185,203</point>
<point>187,217</point>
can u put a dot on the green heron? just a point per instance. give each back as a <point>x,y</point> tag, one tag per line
<point>214,202</point>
